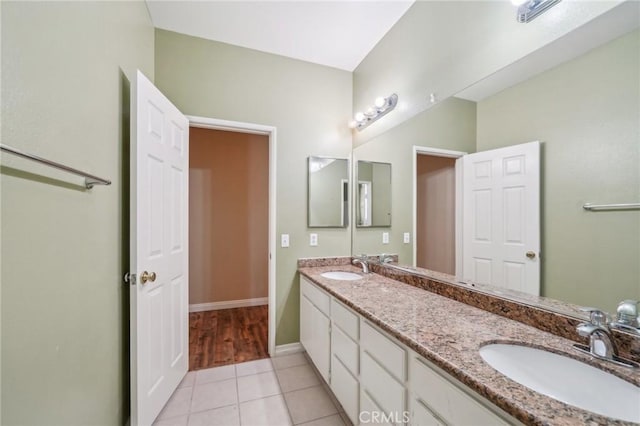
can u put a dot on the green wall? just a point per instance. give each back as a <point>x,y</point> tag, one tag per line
<point>448,125</point>
<point>442,47</point>
<point>309,104</point>
<point>65,91</point>
<point>586,112</point>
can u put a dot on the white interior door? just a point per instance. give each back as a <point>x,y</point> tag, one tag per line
<point>501,217</point>
<point>159,250</point>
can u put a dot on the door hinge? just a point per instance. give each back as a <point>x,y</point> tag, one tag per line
<point>129,278</point>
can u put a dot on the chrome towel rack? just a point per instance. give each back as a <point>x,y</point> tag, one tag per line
<point>89,179</point>
<point>625,206</point>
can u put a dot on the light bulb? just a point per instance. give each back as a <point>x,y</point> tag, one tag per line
<point>353,124</point>
<point>370,112</point>
<point>380,102</point>
<point>359,117</point>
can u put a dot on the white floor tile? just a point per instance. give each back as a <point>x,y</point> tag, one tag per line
<point>258,386</point>
<point>214,395</point>
<point>189,380</point>
<point>271,411</point>
<point>173,421</point>
<point>334,420</point>
<point>299,377</point>
<point>254,367</point>
<point>309,404</point>
<point>225,416</point>
<point>291,360</point>
<point>215,374</point>
<point>178,404</point>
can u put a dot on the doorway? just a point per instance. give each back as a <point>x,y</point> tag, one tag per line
<point>231,222</point>
<point>435,219</point>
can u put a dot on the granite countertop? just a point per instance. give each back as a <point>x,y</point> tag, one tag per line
<point>450,334</point>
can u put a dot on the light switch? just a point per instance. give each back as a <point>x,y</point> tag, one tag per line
<point>407,238</point>
<point>313,240</point>
<point>385,238</point>
<point>284,240</point>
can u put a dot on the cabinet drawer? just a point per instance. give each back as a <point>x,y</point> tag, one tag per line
<point>382,387</point>
<point>446,400</point>
<point>345,388</point>
<point>346,319</point>
<point>370,413</point>
<point>345,349</point>
<point>386,352</point>
<point>421,416</point>
<point>316,296</point>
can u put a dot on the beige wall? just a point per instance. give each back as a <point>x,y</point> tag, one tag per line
<point>586,113</point>
<point>442,47</point>
<point>449,125</point>
<point>228,215</point>
<point>65,90</point>
<point>436,213</point>
<point>309,104</point>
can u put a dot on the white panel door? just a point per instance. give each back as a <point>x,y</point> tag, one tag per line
<point>501,217</point>
<point>159,250</point>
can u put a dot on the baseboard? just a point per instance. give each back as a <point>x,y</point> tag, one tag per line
<point>228,304</point>
<point>290,348</point>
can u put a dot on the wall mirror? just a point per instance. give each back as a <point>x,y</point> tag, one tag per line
<point>590,151</point>
<point>373,194</point>
<point>328,193</point>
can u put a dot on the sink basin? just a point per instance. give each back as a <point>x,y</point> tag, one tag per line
<point>341,275</point>
<point>566,379</point>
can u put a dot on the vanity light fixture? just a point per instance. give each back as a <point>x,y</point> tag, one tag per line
<point>380,107</point>
<point>528,10</point>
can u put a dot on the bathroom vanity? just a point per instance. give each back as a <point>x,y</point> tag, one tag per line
<point>385,346</point>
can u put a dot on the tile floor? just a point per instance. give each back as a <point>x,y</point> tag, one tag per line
<point>286,390</point>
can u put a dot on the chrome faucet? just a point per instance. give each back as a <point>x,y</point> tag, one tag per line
<point>385,258</point>
<point>601,343</point>
<point>627,316</point>
<point>363,261</point>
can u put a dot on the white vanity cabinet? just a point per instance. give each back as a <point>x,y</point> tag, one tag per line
<point>315,326</point>
<point>379,380</point>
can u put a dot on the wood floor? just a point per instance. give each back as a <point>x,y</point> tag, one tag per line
<point>227,336</point>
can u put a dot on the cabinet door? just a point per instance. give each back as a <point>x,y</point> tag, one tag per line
<point>322,346</point>
<point>422,416</point>
<point>306,321</point>
<point>345,388</point>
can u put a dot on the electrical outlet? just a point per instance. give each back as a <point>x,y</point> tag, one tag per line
<point>284,240</point>
<point>313,240</point>
<point>385,238</point>
<point>407,238</point>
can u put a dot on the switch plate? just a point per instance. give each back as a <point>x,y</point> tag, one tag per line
<point>284,240</point>
<point>385,238</point>
<point>313,240</point>
<point>407,238</point>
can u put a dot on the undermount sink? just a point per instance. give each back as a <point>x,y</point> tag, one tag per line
<point>341,275</point>
<point>566,379</point>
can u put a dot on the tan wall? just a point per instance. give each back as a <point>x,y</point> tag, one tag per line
<point>436,213</point>
<point>66,68</point>
<point>309,104</point>
<point>586,114</point>
<point>228,215</point>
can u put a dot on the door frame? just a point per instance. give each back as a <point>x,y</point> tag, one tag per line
<point>437,152</point>
<point>271,132</point>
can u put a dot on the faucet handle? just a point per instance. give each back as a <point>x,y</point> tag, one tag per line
<point>627,313</point>
<point>596,316</point>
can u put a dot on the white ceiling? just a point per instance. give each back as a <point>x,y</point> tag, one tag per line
<point>337,33</point>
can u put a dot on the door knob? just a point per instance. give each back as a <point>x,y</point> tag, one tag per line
<point>531,254</point>
<point>146,276</point>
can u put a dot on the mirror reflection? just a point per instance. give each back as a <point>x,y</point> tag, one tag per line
<point>328,195</point>
<point>585,114</point>
<point>373,194</point>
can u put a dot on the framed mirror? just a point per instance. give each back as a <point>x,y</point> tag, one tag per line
<point>328,194</point>
<point>373,194</point>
